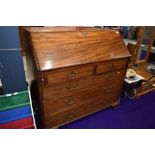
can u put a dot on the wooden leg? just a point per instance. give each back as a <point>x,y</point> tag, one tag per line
<point>115,104</point>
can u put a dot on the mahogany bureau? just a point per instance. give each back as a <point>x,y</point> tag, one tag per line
<point>74,71</point>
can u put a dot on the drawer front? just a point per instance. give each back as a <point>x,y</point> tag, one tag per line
<point>69,74</point>
<point>59,104</point>
<point>78,112</point>
<point>82,84</point>
<point>111,66</point>
<point>147,87</point>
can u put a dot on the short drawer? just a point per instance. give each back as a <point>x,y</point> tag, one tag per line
<point>83,84</point>
<point>69,115</point>
<point>55,105</point>
<point>68,74</point>
<point>148,86</point>
<point>112,65</point>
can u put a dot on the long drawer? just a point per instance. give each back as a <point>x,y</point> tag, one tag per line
<point>82,84</point>
<point>59,104</point>
<point>71,114</point>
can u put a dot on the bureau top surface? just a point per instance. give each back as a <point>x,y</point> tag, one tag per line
<point>59,47</point>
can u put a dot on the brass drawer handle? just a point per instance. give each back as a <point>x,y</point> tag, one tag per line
<point>70,115</point>
<point>108,90</point>
<point>112,66</point>
<point>110,77</point>
<point>71,86</point>
<point>72,74</point>
<point>70,101</point>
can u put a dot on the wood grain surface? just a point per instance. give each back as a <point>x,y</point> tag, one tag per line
<point>76,71</point>
<point>59,49</point>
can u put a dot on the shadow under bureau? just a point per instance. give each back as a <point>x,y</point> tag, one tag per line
<point>74,71</point>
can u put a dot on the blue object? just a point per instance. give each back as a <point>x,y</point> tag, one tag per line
<point>143,54</point>
<point>9,37</point>
<point>125,31</point>
<point>15,114</point>
<point>11,64</point>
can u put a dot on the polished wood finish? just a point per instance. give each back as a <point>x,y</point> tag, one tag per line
<point>75,86</point>
<point>68,74</point>
<point>109,66</point>
<point>92,92</point>
<point>79,111</point>
<point>65,49</point>
<point>78,70</point>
